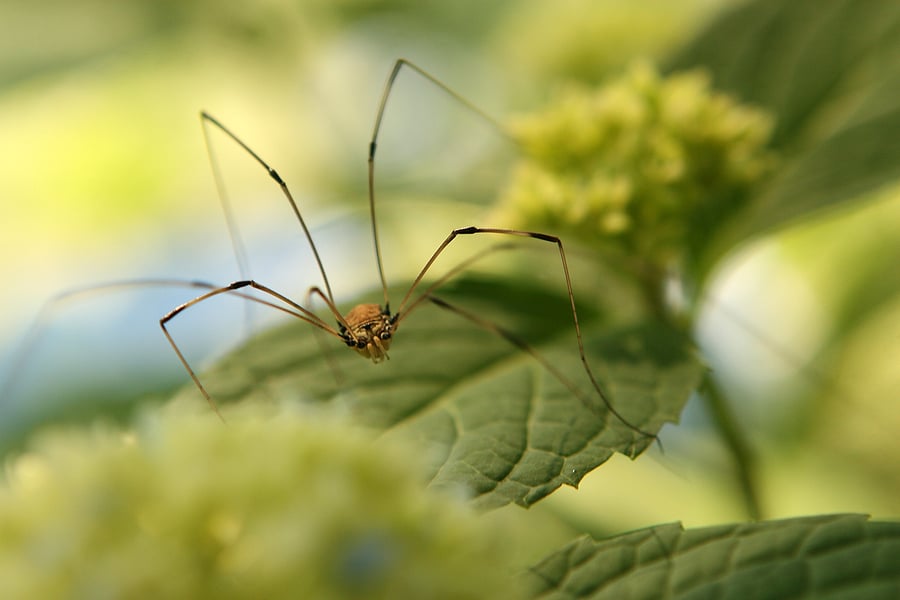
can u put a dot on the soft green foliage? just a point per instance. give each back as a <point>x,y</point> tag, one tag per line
<point>275,504</point>
<point>637,164</point>
<point>589,38</point>
<point>830,72</point>
<point>688,188</point>
<point>485,413</point>
<point>833,556</point>
<point>776,111</point>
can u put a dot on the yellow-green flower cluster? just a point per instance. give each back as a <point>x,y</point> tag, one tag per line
<point>637,164</point>
<point>270,505</point>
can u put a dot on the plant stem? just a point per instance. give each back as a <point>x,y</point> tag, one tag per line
<point>736,442</point>
<point>653,282</point>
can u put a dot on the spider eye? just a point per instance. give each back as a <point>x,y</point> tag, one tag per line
<point>360,344</point>
<point>385,335</point>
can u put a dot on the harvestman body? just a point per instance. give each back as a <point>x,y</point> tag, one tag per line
<point>369,329</point>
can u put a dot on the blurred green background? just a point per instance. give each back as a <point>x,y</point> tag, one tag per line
<point>104,177</point>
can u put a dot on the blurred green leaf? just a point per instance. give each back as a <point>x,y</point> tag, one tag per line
<point>831,75</point>
<point>488,416</point>
<point>834,556</point>
<point>855,263</point>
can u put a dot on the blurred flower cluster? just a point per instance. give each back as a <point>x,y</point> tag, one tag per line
<point>637,165</point>
<point>274,504</point>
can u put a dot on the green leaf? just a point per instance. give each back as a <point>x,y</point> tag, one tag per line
<point>830,72</point>
<point>831,556</point>
<point>488,416</point>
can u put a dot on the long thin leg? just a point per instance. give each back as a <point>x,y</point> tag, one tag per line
<point>526,347</point>
<point>325,348</point>
<point>301,313</point>
<point>469,231</point>
<point>456,270</point>
<point>373,144</point>
<point>205,118</point>
<point>562,256</point>
<point>32,336</point>
<point>234,234</point>
<point>237,243</point>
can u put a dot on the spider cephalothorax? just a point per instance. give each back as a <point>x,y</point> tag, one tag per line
<point>370,330</point>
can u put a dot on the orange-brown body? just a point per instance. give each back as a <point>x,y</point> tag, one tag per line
<point>369,331</point>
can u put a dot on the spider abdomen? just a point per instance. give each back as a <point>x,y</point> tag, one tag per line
<point>369,331</point>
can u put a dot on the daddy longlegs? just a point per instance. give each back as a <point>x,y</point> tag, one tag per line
<point>369,329</point>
